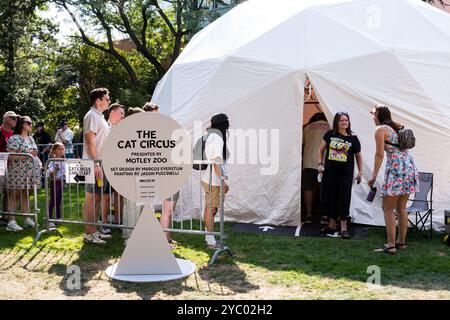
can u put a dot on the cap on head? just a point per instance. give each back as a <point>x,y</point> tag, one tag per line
<point>26,119</point>
<point>9,114</point>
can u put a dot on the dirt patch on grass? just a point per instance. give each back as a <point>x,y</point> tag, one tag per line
<point>46,275</point>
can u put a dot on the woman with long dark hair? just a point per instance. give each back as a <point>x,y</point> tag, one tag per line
<point>215,150</point>
<point>401,177</point>
<point>339,147</point>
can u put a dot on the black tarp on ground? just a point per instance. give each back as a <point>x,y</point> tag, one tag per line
<point>307,230</point>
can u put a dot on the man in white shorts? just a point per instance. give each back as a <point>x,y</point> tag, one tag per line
<point>96,130</point>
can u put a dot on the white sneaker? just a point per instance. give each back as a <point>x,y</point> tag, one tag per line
<point>213,245</point>
<point>28,223</point>
<point>51,225</point>
<point>13,226</point>
<point>93,238</point>
<point>103,236</point>
<point>104,230</point>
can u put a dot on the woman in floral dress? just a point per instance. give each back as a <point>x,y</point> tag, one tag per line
<point>23,173</point>
<point>401,178</point>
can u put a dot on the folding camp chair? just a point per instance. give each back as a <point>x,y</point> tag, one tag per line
<point>422,205</point>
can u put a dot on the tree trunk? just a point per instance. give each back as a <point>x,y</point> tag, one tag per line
<point>11,62</point>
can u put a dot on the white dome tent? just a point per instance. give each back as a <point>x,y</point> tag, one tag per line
<point>252,64</point>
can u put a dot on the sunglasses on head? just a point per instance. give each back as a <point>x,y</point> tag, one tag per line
<point>342,114</point>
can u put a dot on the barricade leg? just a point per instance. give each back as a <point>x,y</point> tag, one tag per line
<point>222,246</point>
<point>48,207</point>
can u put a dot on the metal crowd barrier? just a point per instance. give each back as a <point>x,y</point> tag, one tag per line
<point>70,195</point>
<point>18,184</point>
<point>44,150</point>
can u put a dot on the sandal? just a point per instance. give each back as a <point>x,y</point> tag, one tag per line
<point>401,246</point>
<point>386,249</point>
<point>345,234</point>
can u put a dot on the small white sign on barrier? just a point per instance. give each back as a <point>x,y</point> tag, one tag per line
<point>3,163</point>
<point>80,171</point>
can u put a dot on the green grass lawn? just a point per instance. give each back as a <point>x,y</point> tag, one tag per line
<point>262,266</point>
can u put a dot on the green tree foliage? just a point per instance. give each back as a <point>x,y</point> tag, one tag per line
<point>80,68</point>
<point>26,49</point>
<point>157,34</point>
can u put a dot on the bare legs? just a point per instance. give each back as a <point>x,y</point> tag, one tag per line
<point>89,214</point>
<point>402,216</point>
<point>16,197</point>
<point>389,205</point>
<point>118,208</point>
<point>308,198</point>
<point>166,215</point>
<point>91,202</point>
<point>397,203</point>
<point>208,217</point>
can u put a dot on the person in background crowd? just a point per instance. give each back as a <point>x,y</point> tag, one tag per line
<point>23,173</point>
<point>131,111</point>
<point>401,178</point>
<point>56,172</point>
<point>43,142</point>
<point>169,204</point>
<point>65,135</point>
<point>341,147</point>
<point>313,133</point>
<point>96,131</point>
<point>215,150</point>
<point>131,211</point>
<point>6,132</point>
<point>150,107</point>
<point>116,113</point>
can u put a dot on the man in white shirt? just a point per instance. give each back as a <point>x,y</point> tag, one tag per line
<point>96,131</point>
<point>215,150</point>
<point>65,136</point>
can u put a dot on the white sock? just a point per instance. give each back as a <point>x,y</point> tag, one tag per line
<point>210,239</point>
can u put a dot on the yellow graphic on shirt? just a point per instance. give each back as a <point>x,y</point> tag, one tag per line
<point>338,150</point>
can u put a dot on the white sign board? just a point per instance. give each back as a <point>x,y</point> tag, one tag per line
<point>80,171</point>
<point>147,145</point>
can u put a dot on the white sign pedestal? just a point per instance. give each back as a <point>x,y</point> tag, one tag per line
<point>147,256</point>
<point>139,164</point>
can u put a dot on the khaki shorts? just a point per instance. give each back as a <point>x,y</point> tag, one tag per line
<point>213,194</point>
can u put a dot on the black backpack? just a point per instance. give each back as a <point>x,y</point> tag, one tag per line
<point>406,139</point>
<point>199,153</point>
